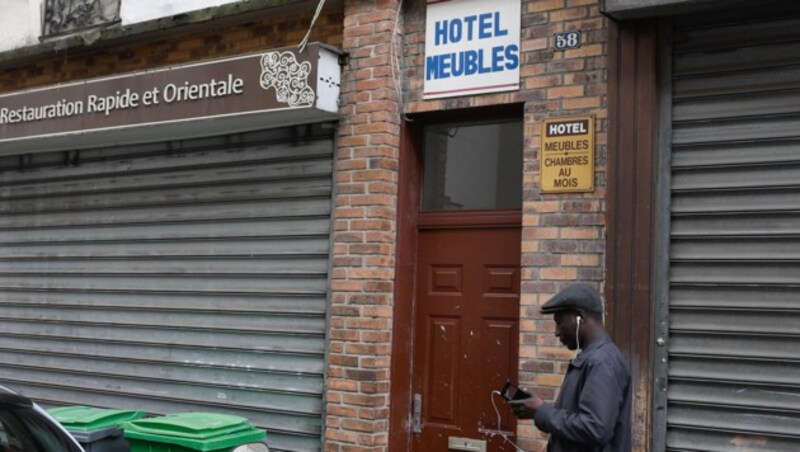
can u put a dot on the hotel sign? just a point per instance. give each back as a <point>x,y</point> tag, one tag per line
<point>471,47</point>
<point>567,155</point>
<point>237,89</point>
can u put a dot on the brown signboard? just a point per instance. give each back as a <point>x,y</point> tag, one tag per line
<point>274,80</point>
<point>567,155</point>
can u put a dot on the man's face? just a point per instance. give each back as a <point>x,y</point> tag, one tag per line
<point>566,325</point>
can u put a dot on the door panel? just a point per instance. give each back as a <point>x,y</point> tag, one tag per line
<point>467,321</point>
<point>444,337</point>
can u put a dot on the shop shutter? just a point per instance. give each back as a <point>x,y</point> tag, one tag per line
<point>181,276</point>
<point>734,276</point>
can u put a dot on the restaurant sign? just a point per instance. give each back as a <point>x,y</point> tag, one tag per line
<point>567,155</point>
<point>218,96</point>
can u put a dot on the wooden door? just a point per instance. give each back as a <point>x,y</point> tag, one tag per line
<point>467,328</point>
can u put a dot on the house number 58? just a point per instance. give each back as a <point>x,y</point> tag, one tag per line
<point>568,40</point>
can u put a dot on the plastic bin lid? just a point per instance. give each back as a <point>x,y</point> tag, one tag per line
<point>216,443</point>
<point>193,425</point>
<point>85,418</point>
<point>95,435</point>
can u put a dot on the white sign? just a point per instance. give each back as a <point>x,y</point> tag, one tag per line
<point>471,47</point>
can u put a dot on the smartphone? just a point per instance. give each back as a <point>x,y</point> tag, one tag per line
<point>511,392</point>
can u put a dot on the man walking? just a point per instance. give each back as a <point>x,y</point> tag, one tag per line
<point>593,409</point>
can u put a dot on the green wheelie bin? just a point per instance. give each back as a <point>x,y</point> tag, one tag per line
<point>96,429</point>
<point>191,432</point>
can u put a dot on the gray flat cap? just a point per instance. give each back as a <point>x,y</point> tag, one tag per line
<point>579,296</point>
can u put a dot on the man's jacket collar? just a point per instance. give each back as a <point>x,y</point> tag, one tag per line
<point>584,354</point>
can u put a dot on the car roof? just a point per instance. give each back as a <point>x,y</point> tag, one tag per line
<point>9,398</point>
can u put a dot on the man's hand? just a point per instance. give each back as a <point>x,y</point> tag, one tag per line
<point>526,408</point>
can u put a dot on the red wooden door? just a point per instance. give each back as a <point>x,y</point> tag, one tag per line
<point>467,327</point>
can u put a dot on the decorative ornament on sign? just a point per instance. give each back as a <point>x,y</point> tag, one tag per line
<point>282,71</point>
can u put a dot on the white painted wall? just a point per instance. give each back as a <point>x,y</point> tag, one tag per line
<point>20,23</point>
<point>132,11</point>
<point>21,20</point>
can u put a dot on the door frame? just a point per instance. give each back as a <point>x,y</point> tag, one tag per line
<point>632,247</point>
<point>408,221</point>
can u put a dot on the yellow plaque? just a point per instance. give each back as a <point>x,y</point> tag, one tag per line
<point>567,155</point>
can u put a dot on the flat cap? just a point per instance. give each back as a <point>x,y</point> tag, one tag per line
<point>578,296</point>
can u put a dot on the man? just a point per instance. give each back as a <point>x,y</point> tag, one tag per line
<point>593,409</point>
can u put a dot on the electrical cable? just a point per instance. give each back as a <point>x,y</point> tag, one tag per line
<point>500,432</point>
<point>303,43</point>
<point>395,62</point>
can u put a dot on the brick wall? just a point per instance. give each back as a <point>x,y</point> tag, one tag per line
<point>259,32</point>
<point>563,234</point>
<point>365,224</point>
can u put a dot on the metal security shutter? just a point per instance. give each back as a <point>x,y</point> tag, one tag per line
<point>734,275</point>
<point>182,276</point>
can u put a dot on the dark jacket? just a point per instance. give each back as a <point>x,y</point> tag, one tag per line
<point>593,410</point>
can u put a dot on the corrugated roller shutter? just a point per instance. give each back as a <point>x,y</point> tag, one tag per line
<point>734,307</point>
<point>184,276</point>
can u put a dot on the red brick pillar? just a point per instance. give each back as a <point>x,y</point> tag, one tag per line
<point>365,223</point>
<point>563,234</point>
